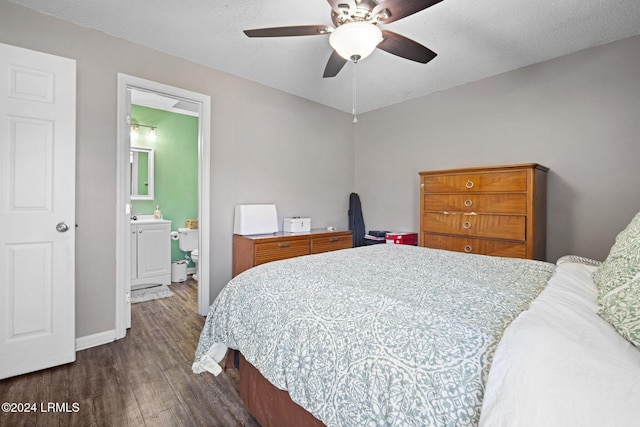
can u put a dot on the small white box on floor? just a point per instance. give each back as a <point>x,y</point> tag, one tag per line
<point>179,271</point>
<point>296,224</point>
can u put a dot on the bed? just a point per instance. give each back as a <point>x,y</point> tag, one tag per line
<point>410,336</point>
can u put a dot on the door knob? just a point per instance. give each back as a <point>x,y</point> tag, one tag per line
<point>62,227</point>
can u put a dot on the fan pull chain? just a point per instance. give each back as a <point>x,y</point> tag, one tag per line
<point>354,99</point>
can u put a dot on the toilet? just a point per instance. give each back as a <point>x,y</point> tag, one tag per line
<point>194,258</point>
<point>188,242</point>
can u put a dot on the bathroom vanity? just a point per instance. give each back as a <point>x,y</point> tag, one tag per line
<point>150,252</point>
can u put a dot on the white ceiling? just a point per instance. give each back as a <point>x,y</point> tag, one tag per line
<point>166,103</point>
<point>474,39</point>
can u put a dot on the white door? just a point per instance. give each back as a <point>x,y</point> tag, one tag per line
<point>37,210</point>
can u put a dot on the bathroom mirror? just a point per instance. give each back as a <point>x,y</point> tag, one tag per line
<point>141,163</point>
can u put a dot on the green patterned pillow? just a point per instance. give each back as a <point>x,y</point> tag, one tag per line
<point>621,308</point>
<point>623,262</point>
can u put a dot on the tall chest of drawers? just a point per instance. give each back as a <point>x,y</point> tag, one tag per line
<point>497,210</point>
<point>249,251</point>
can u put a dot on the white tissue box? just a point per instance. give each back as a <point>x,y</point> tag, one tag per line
<point>295,225</point>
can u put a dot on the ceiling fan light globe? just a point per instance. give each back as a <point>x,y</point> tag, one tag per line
<point>355,39</point>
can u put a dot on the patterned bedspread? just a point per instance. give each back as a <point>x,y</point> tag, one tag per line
<point>378,335</point>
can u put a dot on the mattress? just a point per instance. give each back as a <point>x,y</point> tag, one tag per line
<point>384,334</point>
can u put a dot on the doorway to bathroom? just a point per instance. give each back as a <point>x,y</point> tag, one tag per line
<point>179,121</point>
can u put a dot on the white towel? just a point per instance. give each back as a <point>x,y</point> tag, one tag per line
<point>211,359</point>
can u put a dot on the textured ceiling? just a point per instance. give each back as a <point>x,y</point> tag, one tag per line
<point>474,39</point>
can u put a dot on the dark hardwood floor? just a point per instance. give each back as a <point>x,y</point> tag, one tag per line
<point>143,379</point>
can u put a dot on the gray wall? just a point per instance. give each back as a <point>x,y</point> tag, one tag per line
<point>267,146</point>
<point>579,115</point>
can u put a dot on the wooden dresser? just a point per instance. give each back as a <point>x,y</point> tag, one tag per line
<point>497,210</point>
<point>249,251</point>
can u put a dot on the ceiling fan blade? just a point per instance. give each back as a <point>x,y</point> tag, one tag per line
<point>334,65</point>
<point>335,5</point>
<point>406,48</point>
<point>402,8</point>
<point>300,30</point>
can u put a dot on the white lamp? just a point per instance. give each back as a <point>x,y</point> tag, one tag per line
<point>355,40</point>
<point>134,131</point>
<point>152,135</point>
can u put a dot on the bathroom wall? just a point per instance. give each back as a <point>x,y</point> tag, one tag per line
<point>176,167</point>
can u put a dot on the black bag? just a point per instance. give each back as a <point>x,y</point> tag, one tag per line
<point>356,221</point>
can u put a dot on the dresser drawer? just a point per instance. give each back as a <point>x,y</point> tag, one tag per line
<point>511,227</point>
<point>331,243</point>
<point>283,249</point>
<point>509,203</point>
<point>476,182</point>
<point>476,246</point>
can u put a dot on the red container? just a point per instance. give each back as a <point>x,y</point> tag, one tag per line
<point>402,238</point>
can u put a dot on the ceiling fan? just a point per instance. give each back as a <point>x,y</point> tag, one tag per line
<point>356,33</point>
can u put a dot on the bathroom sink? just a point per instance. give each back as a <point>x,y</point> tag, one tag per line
<point>146,219</point>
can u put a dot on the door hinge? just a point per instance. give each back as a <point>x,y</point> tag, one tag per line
<point>128,297</point>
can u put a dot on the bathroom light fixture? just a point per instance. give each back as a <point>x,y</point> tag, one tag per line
<point>152,135</point>
<point>134,131</point>
<point>355,41</point>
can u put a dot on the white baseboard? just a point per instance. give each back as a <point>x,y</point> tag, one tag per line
<point>95,340</point>
<point>191,270</point>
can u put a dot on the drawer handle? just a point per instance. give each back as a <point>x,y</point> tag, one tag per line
<point>333,239</point>
<point>284,245</point>
<point>468,249</point>
<point>469,184</point>
<point>468,203</point>
<point>466,225</point>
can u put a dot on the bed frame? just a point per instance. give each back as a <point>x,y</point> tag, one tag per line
<point>270,406</point>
